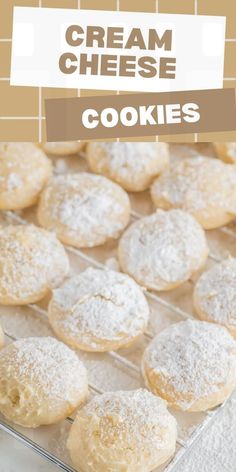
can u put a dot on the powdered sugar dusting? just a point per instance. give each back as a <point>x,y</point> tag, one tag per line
<point>215,450</point>
<point>165,247</point>
<point>195,357</point>
<point>12,181</point>
<point>131,164</point>
<point>77,212</point>
<point>99,305</point>
<point>31,261</point>
<point>125,157</point>
<point>88,206</point>
<point>198,183</point>
<point>22,164</point>
<point>216,292</point>
<point>141,419</point>
<point>47,365</point>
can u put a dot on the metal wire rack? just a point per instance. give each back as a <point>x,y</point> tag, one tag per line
<point>124,364</point>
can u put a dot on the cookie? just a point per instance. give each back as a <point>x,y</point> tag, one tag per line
<point>32,263</point>
<point>63,148</point>
<point>163,250</point>
<point>42,381</point>
<point>24,171</point>
<point>203,186</point>
<point>192,365</point>
<point>84,210</point>
<point>132,165</point>
<point>122,431</point>
<point>98,310</point>
<point>215,295</point>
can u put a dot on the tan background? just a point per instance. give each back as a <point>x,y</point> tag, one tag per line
<point>22,114</point>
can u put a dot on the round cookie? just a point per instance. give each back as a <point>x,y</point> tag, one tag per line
<point>192,365</point>
<point>42,381</point>
<point>203,186</point>
<point>122,431</point>
<point>63,148</point>
<point>1,337</point>
<point>215,295</point>
<point>226,151</point>
<point>84,210</point>
<point>163,250</point>
<point>98,310</point>
<point>132,165</point>
<point>24,170</point>
<point>32,262</point>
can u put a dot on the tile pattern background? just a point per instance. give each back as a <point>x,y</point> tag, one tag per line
<point>22,114</point>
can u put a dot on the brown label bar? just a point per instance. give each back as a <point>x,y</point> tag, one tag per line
<point>142,114</point>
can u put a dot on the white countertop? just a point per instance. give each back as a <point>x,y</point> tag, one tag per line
<point>215,451</point>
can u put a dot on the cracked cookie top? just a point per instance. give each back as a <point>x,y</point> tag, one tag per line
<point>98,310</point>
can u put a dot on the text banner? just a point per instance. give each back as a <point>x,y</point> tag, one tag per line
<point>145,114</point>
<point>107,50</point>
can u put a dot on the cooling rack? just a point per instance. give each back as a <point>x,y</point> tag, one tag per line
<point>121,369</point>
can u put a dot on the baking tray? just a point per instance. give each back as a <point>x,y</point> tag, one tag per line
<point>114,370</point>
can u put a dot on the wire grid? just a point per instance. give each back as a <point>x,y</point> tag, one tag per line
<point>118,359</point>
<point>40,118</point>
